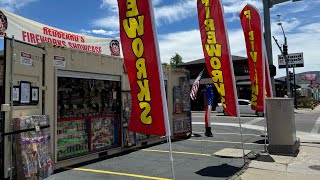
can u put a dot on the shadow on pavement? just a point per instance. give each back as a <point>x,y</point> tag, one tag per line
<point>265,158</point>
<point>224,170</point>
<point>261,141</point>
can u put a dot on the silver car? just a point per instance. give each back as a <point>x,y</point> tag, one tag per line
<point>244,107</point>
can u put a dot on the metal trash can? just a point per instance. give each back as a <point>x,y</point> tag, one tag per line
<point>281,126</point>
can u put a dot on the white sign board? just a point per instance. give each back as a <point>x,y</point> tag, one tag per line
<point>59,61</point>
<point>294,60</point>
<point>32,32</point>
<point>25,58</point>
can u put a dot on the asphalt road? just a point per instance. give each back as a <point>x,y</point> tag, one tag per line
<point>306,119</point>
<point>193,157</point>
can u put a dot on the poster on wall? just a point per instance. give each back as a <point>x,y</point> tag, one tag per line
<point>25,58</point>
<point>59,61</point>
<point>177,104</point>
<point>33,32</point>
<point>16,94</point>
<point>25,88</point>
<point>34,95</point>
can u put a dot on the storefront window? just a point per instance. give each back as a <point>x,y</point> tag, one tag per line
<point>88,116</point>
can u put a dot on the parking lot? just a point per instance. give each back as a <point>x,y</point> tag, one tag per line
<point>193,158</point>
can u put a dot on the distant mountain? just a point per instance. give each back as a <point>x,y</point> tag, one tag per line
<point>299,76</point>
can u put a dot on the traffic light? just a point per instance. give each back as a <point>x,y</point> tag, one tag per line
<point>291,76</point>
<point>285,49</point>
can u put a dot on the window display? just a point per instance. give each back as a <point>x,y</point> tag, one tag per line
<point>88,119</point>
<point>104,132</point>
<point>182,123</point>
<point>79,97</point>
<point>128,136</point>
<point>73,138</point>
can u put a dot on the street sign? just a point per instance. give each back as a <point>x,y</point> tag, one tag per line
<point>294,60</point>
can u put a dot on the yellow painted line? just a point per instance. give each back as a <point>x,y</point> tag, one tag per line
<point>228,142</point>
<point>176,152</point>
<point>228,134</point>
<point>117,173</point>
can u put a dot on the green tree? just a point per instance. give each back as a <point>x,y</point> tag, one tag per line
<point>175,60</point>
<point>165,64</point>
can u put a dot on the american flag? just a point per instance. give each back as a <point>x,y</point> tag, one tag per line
<point>195,86</point>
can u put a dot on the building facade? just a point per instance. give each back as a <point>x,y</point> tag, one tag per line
<point>242,78</point>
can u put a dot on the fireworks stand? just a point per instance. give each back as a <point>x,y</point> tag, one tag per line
<point>179,105</point>
<point>64,106</point>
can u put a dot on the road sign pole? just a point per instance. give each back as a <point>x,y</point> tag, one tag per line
<point>295,89</point>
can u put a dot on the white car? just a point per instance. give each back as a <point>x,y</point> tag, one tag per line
<point>244,106</point>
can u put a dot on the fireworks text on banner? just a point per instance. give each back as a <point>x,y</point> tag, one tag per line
<point>143,65</point>
<point>216,51</point>
<point>252,28</point>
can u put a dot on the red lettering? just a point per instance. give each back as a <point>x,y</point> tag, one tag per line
<point>54,41</point>
<point>32,38</point>
<point>82,39</point>
<point>64,44</point>
<point>24,35</point>
<point>45,30</point>
<point>38,38</point>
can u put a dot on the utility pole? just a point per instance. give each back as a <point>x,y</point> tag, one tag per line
<point>285,55</point>
<point>267,4</point>
<point>295,89</point>
<point>287,70</point>
<point>267,36</point>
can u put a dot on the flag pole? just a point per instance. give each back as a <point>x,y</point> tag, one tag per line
<point>163,93</point>
<point>171,157</point>
<point>238,114</point>
<point>234,85</point>
<point>267,73</point>
<point>264,107</point>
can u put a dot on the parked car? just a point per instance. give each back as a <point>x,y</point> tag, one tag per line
<point>244,107</point>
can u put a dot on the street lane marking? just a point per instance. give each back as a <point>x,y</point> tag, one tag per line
<point>117,173</point>
<point>248,126</point>
<point>227,142</point>
<point>256,120</point>
<point>228,133</point>
<point>316,126</point>
<point>175,152</point>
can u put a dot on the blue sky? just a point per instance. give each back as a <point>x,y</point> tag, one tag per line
<point>177,24</point>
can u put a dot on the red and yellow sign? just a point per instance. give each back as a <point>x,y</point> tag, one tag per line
<point>252,28</point>
<point>143,66</point>
<point>216,52</point>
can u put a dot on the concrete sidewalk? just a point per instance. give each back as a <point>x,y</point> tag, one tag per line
<point>305,166</point>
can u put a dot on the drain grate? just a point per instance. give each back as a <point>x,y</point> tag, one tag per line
<point>315,167</point>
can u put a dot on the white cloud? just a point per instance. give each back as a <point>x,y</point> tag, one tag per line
<point>167,13</point>
<point>188,45</point>
<point>311,28</point>
<point>12,5</point>
<point>100,32</point>
<point>110,5</point>
<point>288,25</point>
<point>176,12</point>
<point>185,43</point>
<point>235,6</point>
<point>113,4</point>
<point>110,22</point>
